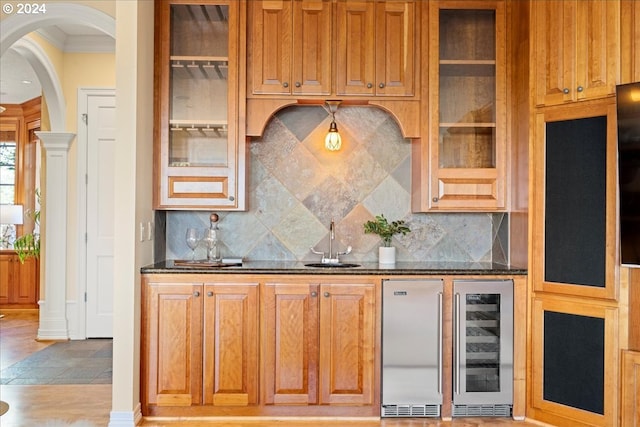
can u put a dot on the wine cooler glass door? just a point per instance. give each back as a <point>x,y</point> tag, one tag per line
<point>483,343</point>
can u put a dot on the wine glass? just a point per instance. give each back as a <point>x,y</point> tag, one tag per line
<point>193,240</point>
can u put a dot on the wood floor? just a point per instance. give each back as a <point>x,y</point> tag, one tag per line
<point>44,405</point>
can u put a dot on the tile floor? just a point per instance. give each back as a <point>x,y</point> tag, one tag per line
<point>70,362</point>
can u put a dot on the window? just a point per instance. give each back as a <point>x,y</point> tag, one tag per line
<point>8,155</point>
<point>8,151</point>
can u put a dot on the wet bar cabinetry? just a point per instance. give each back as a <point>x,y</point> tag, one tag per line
<point>225,345</point>
<point>318,342</point>
<point>293,45</point>
<point>460,162</point>
<point>200,344</point>
<point>199,105</point>
<point>360,52</point>
<point>287,344</point>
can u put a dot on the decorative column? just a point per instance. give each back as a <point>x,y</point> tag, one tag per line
<point>53,311</point>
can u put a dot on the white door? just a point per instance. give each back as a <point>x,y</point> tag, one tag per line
<point>101,122</point>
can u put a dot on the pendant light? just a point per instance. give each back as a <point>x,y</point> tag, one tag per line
<point>333,141</point>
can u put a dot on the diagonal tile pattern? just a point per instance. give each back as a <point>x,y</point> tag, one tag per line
<point>296,187</point>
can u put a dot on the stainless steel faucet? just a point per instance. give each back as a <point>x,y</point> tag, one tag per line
<point>329,259</point>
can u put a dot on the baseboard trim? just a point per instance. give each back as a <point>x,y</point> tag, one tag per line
<point>126,418</point>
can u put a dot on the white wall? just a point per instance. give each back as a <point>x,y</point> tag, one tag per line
<point>134,149</point>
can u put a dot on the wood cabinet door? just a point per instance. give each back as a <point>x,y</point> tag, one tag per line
<point>555,28</point>
<point>230,355</point>
<point>355,45</point>
<point>347,339</point>
<point>26,282</point>
<point>597,48</point>
<point>6,277</point>
<point>173,343</point>
<point>290,346</point>
<point>271,46</point>
<point>395,48</point>
<point>19,282</point>
<point>312,35</point>
<point>576,48</point>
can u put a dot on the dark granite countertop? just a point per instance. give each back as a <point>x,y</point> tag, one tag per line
<point>294,267</point>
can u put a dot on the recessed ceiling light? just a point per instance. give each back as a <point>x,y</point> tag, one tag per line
<point>27,82</point>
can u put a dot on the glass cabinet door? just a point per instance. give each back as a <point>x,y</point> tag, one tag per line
<point>199,70</point>
<point>467,129</point>
<point>199,113</point>
<point>468,122</point>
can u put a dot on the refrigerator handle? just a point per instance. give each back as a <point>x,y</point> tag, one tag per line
<point>456,333</point>
<point>440,326</point>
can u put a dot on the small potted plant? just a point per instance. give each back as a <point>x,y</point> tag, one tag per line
<point>386,230</point>
<point>28,245</point>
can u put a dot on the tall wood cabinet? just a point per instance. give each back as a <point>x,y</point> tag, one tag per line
<point>199,105</point>
<point>200,344</point>
<point>577,309</point>
<point>460,164</point>
<point>19,283</point>
<point>577,48</point>
<point>319,343</point>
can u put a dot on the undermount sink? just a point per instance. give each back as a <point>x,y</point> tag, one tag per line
<point>331,265</point>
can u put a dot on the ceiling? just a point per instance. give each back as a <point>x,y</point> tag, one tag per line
<point>18,81</point>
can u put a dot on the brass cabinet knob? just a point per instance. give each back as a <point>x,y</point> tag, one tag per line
<point>381,85</point>
<point>285,84</point>
<point>326,294</point>
<point>369,85</point>
<point>298,84</point>
<point>580,88</point>
<point>196,294</point>
<point>565,90</point>
<point>314,294</point>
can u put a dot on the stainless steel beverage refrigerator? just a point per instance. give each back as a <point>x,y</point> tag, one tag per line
<point>483,348</point>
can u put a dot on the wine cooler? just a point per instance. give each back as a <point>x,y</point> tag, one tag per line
<point>483,348</point>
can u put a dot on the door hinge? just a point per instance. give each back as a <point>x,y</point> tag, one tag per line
<point>85,297</point>
<point>85,118</point>
<point>86,237</point>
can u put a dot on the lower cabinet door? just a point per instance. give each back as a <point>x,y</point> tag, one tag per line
<point>318,343</point>
<point>230,332</point>
<point>290,325</point>
<point>172,372</point>
<point>347,339</point>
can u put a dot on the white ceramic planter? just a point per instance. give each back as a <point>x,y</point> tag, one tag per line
<point>386,255</point>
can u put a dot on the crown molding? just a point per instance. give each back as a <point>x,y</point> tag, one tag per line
<point>78,43</point>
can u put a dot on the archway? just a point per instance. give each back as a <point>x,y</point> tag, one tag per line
<point>15,27</point>
<point>53,316</point>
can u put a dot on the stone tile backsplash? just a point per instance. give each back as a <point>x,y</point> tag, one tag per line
<point>295,188</point>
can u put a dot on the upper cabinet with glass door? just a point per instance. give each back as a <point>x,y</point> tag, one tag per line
<point>466,150</point>
<point>200,143</point>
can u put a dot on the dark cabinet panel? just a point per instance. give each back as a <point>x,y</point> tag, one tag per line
<point>575,201</point>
